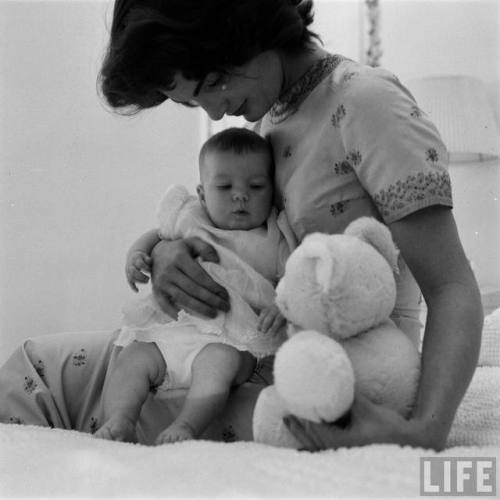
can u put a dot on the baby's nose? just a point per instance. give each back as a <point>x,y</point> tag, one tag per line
<point>240,196</point>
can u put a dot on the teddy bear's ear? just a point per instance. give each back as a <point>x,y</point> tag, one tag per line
<point>378,235</point>
<point>315,247</point>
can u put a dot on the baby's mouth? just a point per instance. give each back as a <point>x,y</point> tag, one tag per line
<point>240,211</point>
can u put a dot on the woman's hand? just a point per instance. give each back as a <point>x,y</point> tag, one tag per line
<point>179,282</point>
<point>369,423</point>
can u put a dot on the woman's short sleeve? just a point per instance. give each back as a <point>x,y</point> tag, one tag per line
<point>396,151</point>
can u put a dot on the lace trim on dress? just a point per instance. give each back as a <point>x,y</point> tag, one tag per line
<point>289,102</point>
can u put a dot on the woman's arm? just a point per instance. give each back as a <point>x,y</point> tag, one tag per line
<point>429,243</point>
<point>179,282</point>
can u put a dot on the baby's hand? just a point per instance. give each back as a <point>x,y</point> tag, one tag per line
<point>270,320</point>
<point>138,263</point>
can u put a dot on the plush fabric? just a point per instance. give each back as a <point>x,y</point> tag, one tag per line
<point>338,292</point>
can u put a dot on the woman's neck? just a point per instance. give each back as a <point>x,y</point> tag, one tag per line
<point>294,66</point>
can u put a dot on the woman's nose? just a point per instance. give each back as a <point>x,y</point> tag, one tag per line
<point>215,108</point>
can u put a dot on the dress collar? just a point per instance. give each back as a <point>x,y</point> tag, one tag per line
<point>288,102</point>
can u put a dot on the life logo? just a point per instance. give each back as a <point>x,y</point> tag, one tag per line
<point>458,476</point>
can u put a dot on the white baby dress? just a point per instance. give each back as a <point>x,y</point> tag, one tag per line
<point>250,263</point>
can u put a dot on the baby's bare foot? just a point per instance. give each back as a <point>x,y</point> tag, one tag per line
<point>117,429</point>
<point>177,431</point>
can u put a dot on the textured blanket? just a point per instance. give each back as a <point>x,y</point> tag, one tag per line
<point>42,462</point>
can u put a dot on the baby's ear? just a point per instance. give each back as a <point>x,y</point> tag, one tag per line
<point>377,235</point>
<point>201,194</point>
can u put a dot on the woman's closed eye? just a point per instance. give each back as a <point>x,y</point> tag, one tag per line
<point>215,80</point>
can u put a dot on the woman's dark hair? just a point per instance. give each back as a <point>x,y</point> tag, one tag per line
<point>151,40</point>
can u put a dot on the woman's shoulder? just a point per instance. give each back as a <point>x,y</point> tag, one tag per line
<point>347,83</point>
<point>362,85</point>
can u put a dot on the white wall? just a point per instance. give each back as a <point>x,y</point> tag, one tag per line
<point>449,37</point>
<point>443,37</point>
<point>78,183</point>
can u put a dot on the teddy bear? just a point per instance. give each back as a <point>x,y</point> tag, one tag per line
<point>337,294</point>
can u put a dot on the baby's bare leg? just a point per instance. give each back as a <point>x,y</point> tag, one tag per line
<point>215,370</point>
<point>139,367</point>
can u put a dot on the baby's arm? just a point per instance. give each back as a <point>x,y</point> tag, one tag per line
<point>270,320</point>
<point>139,258</point>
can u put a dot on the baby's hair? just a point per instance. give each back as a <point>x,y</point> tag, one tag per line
<point>152,40</point>
<point>239,141</point>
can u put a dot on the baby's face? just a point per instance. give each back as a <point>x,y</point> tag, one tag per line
<point>236,189</point>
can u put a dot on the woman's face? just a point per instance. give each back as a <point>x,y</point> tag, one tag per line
<point>249,90</point>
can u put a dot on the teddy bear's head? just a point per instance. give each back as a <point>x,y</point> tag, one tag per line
<point>341,284</point>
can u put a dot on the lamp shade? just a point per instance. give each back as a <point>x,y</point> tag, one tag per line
<point>459,107</point>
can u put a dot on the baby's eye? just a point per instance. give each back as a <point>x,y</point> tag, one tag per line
<point>257,186</point>
<point>224,187</point>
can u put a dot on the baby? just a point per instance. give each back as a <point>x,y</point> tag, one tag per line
<point>234,213</point>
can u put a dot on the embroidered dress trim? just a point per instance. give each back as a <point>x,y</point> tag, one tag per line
<point>416,192</point>
<point>289,102</point>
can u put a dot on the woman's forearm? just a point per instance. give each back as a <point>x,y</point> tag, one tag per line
<point>449,357</point>
<point>430,245</point>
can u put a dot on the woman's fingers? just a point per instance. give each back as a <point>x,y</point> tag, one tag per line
<point>181,283</point>
<point>179,299</point>
<point>369,423</point>
<point>297,427</point>
<point>196,282</point>
<point>200,248</point>
<point>165,303</point>
<point>320,436</point>
<point>186,292</point>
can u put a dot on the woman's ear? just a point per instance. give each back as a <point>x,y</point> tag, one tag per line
<point>201,195</point>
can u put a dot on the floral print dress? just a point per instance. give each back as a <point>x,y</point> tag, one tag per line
<point>350,141</point>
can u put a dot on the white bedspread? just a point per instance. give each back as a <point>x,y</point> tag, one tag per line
<point>44,462</point>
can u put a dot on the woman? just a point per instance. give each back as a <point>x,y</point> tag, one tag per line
<point>348,141</point>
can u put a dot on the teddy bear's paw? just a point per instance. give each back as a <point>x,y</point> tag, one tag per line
<point>314,377</point>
